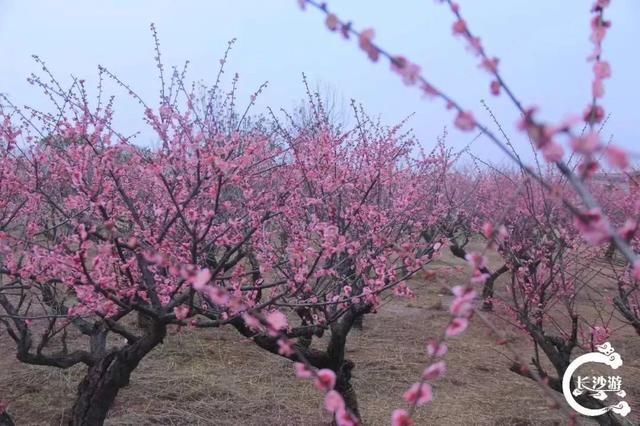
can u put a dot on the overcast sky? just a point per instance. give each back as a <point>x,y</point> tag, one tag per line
<point>542,45</point>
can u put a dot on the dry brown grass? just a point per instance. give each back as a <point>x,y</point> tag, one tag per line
<point>217,378</point>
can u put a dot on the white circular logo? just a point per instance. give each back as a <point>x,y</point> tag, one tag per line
<point>598,387</point>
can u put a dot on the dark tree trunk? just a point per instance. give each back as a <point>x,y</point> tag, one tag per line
<point>5,419</point>
<point>487,294</point>
<point>358,323</point>
<point>607,419</point>
<point>99,388</point>
<point>487,290</point>
<point>610,252</point>
<point>341,366</point>
<point>345,388</point>
<point>624,307</point>
<point>333,358</point>
<point>104,379</point>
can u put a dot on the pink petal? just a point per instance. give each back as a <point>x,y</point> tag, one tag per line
<point>201,279</point>
<point>400,417</point>
<point>617,157</point>
<point>285,347</point>
<point>602,69</point>
<point>277,321</point>
<point>325,379</point>
<point>552,152</point>
<point>465,121</point>
<point>587,144</point>
<point>436,349</point>
<point>181,312</point>
<point>457,327</point>
<point>435,371</point>
<point>419,394</point>
<point>636,270</point>
<point>333,401</point>
<point>302,372</point>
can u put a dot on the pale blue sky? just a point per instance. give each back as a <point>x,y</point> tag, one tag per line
<point>542,45</point>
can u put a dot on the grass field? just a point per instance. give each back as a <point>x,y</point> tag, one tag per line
<point>215,377</point>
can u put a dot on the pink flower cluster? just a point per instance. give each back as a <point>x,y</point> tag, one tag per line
<point>325,380</point>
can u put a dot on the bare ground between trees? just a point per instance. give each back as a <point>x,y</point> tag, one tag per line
<point>214,377</point>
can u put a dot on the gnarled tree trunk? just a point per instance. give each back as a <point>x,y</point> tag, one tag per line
<point>104,379</point>
<point>333,358</point>
<point>345,388</point>
<point>341,366</point>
